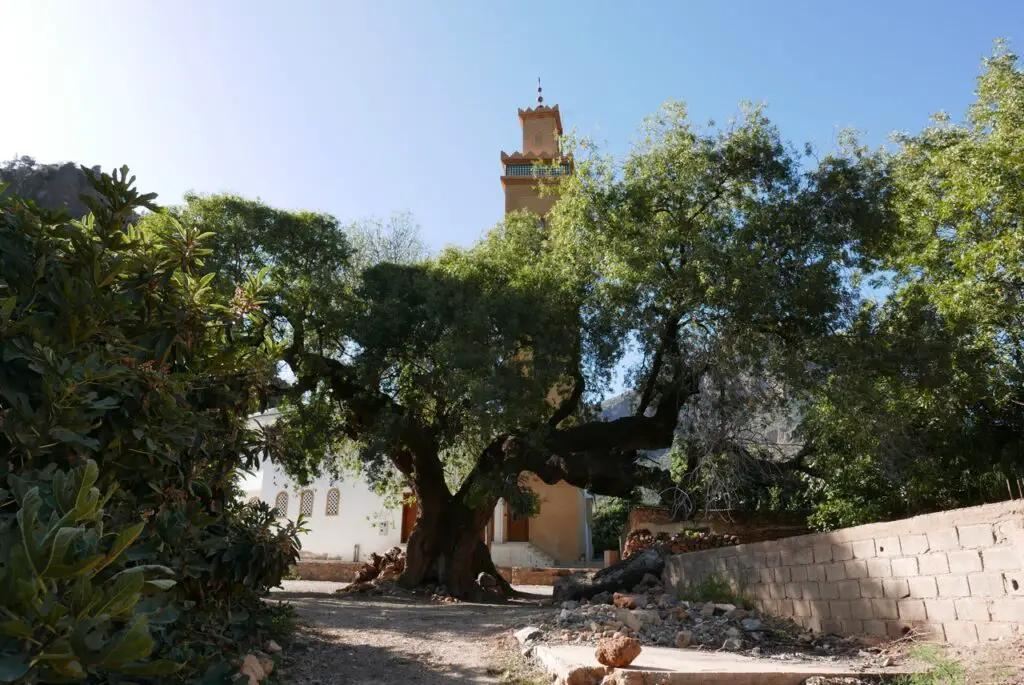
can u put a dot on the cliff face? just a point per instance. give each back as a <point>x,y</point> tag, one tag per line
<point>51,186</point>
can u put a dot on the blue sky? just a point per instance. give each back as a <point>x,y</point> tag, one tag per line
<point>364,109</point>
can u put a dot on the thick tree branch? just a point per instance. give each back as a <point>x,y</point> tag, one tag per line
<point>415,449</point>
<point>601,456</point>
<point>569,405</point>
<point>667,345</point>
<point>799,462</point>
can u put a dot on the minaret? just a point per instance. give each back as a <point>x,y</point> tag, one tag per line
<point>542,128</point>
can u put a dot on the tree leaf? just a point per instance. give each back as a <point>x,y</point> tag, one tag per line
<point>160,667</point>
<point>16,628</point>
<point>6,308</point>
<point>67,435</point>
<point>122,596</point>
<point>131,644</point>
<point>124,538</point>
<point>12,667</point>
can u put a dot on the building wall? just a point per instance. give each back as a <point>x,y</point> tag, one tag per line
<point>559,528</point>
<point>523,195</point>
<point>363,519</point>
<point>539,136</point>
<point>957,575</point>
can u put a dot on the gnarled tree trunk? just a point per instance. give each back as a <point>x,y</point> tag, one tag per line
<point>446,545</point>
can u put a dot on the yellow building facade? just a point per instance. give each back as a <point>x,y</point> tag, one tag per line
<point>560,532</point>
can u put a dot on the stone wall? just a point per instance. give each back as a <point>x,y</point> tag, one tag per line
<point>747,527</point>
<point>345,572</point>
<point>315,569</point>
<point>956,575</point>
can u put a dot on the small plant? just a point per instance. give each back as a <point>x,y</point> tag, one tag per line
<point>942,671</point>
<point>714,589</point>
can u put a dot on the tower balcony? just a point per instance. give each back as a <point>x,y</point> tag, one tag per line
<point>520,169</point>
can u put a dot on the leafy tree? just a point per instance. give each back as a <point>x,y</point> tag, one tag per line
<point>925,407</point>
<point>702,252</point>
<point>610,517</point>
<point>395,241</point>
<point>118,347</point>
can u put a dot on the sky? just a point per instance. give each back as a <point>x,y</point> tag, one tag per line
<point>365,109</point>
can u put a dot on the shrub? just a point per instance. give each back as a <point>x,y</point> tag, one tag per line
<point>118,347</point>
<point>69,605</point>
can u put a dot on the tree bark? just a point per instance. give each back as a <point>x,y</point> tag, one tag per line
<point>446,546</point>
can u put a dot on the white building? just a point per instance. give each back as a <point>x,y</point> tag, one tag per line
<point>347,520</point>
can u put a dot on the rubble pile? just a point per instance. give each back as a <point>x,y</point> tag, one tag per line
<point>677,543</point>
<point>379,573</point>
<point>653,617</point>
<point>387,566</point>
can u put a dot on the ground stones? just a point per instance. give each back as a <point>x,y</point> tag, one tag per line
<point>527,634</point>
<point>623,601</point>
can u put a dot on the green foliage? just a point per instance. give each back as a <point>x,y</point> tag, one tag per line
<point>69,606</point>
<point>718,258</point>
<point>942,670</point>
<point>714,589</point>
<point>444,337</point>
<point>119,346</point>
<point>922,410</point>
<point>609,520</point>
<point>710,228</point>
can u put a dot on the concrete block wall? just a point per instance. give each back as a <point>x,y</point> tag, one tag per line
<point>957,575</point>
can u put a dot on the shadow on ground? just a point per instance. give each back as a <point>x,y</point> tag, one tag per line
<point>361,639</point>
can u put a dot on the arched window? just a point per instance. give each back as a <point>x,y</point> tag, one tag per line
<point>281,503</point>
<point>306,503</point>
<point>333,500</point>
<point>254,500</point>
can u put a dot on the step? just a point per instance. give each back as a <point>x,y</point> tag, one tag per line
<point>668,666</point>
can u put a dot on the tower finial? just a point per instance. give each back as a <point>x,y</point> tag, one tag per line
<point>540,97</point>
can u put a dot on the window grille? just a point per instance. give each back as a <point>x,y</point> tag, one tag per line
<point>532,170</point>
<point>306,503</point>
<point>333,500</point>
<point>281,504</point>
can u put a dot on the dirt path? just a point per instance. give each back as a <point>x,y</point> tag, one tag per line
<point>359,640</point>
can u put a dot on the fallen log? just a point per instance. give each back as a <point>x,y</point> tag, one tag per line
<point>620,577</point>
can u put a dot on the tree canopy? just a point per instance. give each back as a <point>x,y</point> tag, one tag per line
<point>925,408</point>
<point>704,253</point>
